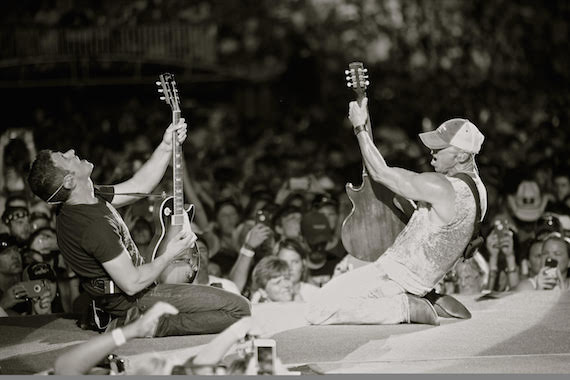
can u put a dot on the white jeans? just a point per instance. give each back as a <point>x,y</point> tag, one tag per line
<point>362,296</point>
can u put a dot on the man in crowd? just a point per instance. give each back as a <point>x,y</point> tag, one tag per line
<point>389,290</point>
<point>96,243</point>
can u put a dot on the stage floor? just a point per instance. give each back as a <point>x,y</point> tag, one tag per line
<point>517,333</point>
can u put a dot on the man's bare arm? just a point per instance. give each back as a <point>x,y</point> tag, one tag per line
<point>150,174</point>
<point>133,279</point>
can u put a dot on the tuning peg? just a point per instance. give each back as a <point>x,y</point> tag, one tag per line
<point>158,83</point>
<point>349,84</point>
<point>348,77</point>
<point>162,98</point>
<point>347,72</point>
<point>365,70</point>
<point>367,83</point>
<point>160,90</point>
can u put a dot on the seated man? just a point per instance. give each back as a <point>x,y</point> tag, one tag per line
<point>97,245</point>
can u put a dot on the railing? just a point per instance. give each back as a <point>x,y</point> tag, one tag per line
<point>191,44</point>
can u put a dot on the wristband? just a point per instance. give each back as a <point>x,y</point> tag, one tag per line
<point>118,337</point>
<point>246,252</point>
<point>359,128</point>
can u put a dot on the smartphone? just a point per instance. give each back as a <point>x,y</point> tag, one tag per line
<point>34,288</point>
<point>262,217</point>
<point>551,264</point>
<point>265,355</point>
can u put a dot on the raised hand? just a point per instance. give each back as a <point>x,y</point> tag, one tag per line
<point>181,127</point>
<point>14,295</point>
<point>358,114</point>
<point>546,279</point>
<point>257,235</point>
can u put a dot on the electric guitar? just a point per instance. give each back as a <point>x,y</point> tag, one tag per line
<point>169,215</point>
<point>378,215</point>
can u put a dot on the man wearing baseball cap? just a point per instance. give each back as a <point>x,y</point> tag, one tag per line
<point>392,289</point>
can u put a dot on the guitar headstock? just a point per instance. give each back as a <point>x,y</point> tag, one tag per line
<point>167,87</point>
<point>357,79</point>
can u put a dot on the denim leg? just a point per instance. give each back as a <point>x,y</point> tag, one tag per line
<point>202,309</point>
<point>365,295</point>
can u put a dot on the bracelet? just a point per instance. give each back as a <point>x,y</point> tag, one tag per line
<point>513,270</point>
<point>359,128</point>
<point>246,252</point>
<point>118,337</point>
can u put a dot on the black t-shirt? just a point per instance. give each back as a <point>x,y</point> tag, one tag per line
<point>89,235</point>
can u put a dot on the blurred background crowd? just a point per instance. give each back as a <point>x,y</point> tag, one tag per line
<point>270,148</point>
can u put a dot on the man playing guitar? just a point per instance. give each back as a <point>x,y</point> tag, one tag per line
<point>389,290</point>
<point>96,243</point>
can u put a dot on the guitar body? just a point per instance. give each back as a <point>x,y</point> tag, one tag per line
<point>375,220</point>
<point>185,267</point>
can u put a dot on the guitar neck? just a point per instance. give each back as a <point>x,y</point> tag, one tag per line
<point>178,191</point>
<point>368,127</point>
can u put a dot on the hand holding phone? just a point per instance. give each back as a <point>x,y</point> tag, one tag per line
<point>265,356</point>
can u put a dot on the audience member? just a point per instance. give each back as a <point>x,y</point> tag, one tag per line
<point>271,280</point>
<point>293,253</point>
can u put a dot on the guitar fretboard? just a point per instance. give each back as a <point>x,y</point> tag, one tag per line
<point>177,175</point>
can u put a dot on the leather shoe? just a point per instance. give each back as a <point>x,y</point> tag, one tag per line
<point>446,306</point>
<point>421,311</point>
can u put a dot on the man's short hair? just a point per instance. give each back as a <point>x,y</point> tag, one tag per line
<point>45,177</point>
<point>267,268</point>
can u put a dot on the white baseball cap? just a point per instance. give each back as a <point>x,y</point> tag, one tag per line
<point>460,133</point>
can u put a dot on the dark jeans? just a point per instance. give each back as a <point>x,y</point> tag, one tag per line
<point>202,309</point>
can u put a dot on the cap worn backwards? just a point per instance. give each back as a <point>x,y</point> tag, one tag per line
<point>460,133</point>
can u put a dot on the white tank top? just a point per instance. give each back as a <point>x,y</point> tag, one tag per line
<point>423,252</point>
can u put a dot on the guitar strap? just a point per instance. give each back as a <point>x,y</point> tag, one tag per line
<point>476,239</point>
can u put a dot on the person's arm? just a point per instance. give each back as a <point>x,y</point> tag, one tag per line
<point>133,279</point>
<point>239,273</point>
<point>215,351</point>
<point>507,249</point>
<point>79,360</point>
<point>433,188</point>
<point>200,216</point>
<point>150,174</point>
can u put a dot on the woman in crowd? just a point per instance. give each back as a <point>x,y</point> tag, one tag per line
<point>291,251</point>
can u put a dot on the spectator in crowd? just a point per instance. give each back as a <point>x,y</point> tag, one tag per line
<point>249,254</point>
<point>317,234</point>
<point>555,276</point>
<point>12,293</point>
<point>503,268</point>
<point>271,280</point>
<point>526,206</point>
<point>532,259</point>
<point>39,220</point>
<point>43,248</point>
<point>48,300</point>
<point>18,221</point>
<point>227,214</point>
<point>204,277</point>
<point>329,207</point>
<point>561,184</point>
<point>287,222</point>
<point>293,253</point>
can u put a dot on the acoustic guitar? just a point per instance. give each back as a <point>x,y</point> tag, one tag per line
<point>378,215</point>
<point>169,215</point>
